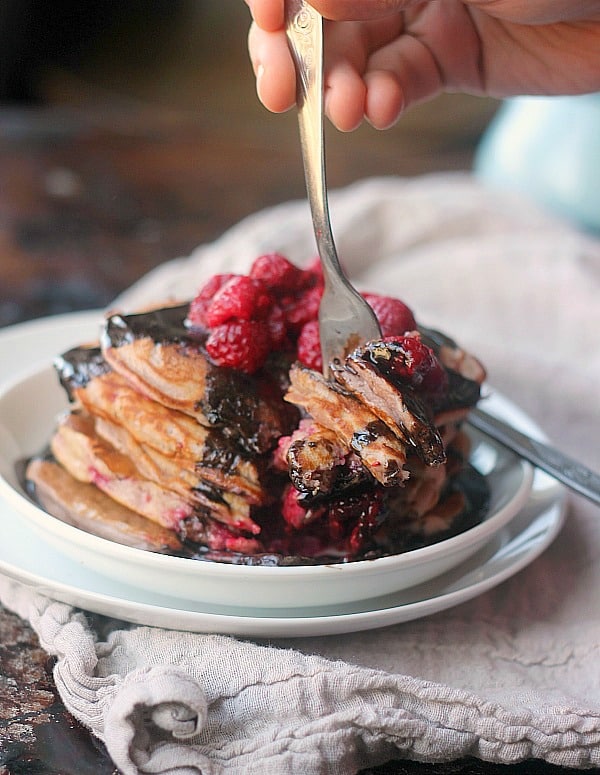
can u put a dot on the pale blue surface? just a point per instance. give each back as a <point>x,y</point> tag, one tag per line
<point>548,148</point>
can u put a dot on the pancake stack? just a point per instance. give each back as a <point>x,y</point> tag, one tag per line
<point>165,434</point>
<point>165,450</point>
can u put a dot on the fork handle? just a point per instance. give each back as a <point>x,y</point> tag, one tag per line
<point>345,318</point>
<point>304,27</point>
<point>565,469</point>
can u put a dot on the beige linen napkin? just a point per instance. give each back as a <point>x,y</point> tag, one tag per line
<point>512,674</point>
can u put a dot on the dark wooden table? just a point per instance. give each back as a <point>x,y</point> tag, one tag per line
<point>92,198</point>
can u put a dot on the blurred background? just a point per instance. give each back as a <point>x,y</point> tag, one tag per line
<point>190,56</point>
<point>130,133</point>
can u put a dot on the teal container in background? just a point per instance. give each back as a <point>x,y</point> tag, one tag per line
<point>548,148</point>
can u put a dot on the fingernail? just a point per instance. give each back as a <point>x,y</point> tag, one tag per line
<point>260,71</point>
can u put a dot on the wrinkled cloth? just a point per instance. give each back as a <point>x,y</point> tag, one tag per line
<point>510,675</point>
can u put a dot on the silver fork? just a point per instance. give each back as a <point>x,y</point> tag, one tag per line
<point>345,318</point>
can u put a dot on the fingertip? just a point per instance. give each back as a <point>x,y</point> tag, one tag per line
<point>273,67</point>
<point>385,100</point>
<point>268,14</point>
<point>345,95</point>
<point>342,121</point>
<point>274,95</point>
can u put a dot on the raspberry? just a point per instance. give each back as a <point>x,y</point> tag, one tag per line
<point>291,510</point>
<point>197,311</point>
<point>211,286</point>
<point>276,272</point>
<point>309,346</point>
<point>416,363</point>
<point>312,274</point>
<point>239,344</point>
<point>394,317</point>
<point>315,270</point>
<point>367,522</point>
<point>220,538</point>
<point>239,298</point>
<point>277,327</point>
<point>294,513</point>
<point>303,308</point>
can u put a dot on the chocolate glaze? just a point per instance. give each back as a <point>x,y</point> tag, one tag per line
<point>436,339</point>
<point>220,453</point>
<point>462,392</point>
<point>78,366</point>
<point>365,436</point>
<point>162,325</point>
<point>247,408</point>
<point>210,493</point>
<point>231,402</point>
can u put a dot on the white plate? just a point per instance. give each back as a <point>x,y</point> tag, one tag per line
<point>28,408</point>
<point>26,557</point>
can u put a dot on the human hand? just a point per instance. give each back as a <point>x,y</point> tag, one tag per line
<point>383,56</point>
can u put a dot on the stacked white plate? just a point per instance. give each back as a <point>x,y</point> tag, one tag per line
<point>71,565</point>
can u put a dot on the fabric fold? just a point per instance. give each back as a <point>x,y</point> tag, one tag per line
<point>217,704</point>
<point>153,706</point>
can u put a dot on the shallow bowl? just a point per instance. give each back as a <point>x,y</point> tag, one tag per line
<point>29,405</point>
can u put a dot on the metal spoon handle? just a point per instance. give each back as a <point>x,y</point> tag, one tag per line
<point>565,469</point>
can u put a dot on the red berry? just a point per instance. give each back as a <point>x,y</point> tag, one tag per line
<point>196,316</point>
<point>239,344</point>
<point>416,363</point>
<point>291,510</point>
<point>367,522</point>
<point>211,286</point>
<point>309,346</point>
<point>277,326</point>
<point>394,317</point>
<point>312,274</point>
<point>197,311</point>
<point>276,272</point>
<point>302,308</point>
<point>240,298</point>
